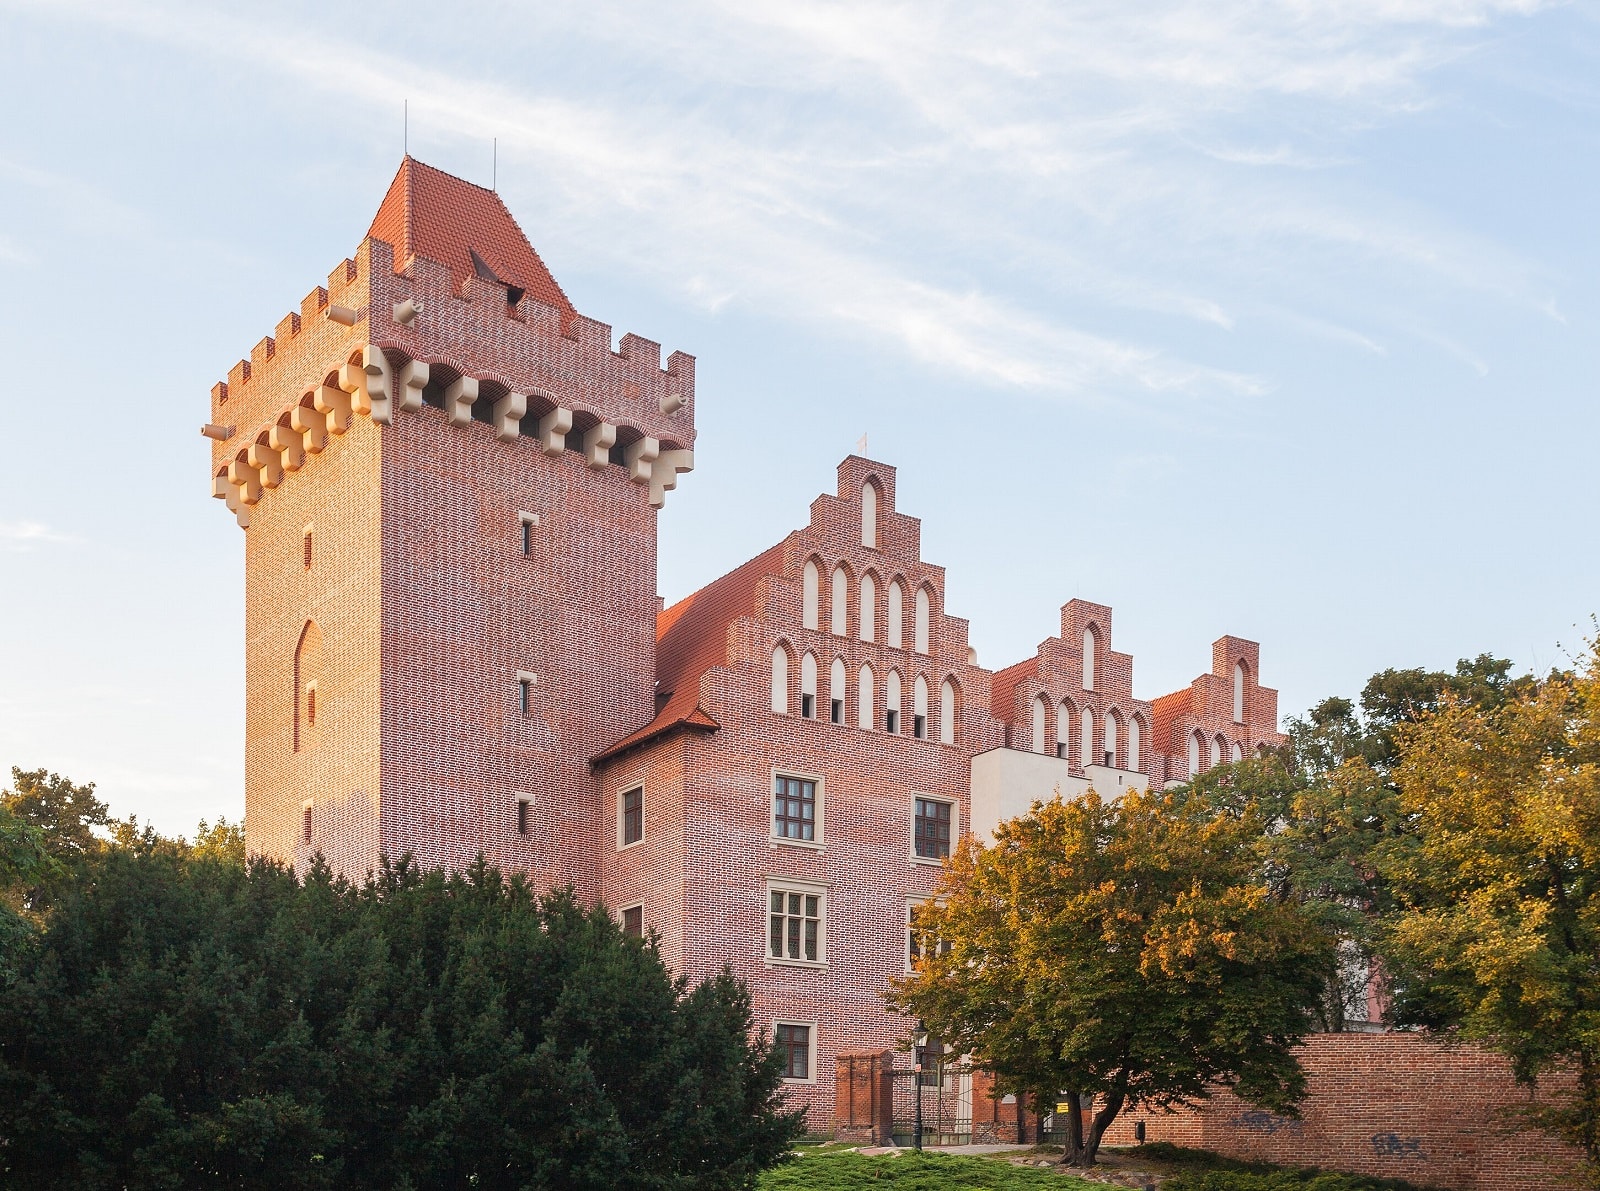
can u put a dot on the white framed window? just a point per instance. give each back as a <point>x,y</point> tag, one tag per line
<point>797,922</point>
<point>797,1042</point>
<point>935,827</point>
<point>914,950</point>
<point>894,631</point>
<point>799,803</point>
<point>630,816</point>
<point>524,813</point>
<point>632,920</point>
<point>525,525</point>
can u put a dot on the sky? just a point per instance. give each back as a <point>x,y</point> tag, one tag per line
<point>1270,319</point>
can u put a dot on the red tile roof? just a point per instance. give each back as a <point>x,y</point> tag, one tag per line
<point>1002,686</point>
<point>440,217</point>
<point>691,638</point>
<point>1164,712</point>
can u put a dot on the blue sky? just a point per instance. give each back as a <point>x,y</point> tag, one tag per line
<point>1278,320</point>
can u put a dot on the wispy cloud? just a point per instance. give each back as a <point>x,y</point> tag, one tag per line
<point>972,189</point>
<point>21,536</point>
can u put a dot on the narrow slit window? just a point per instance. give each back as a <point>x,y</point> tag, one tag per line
<point>305,546</point>
<point>305,824</point>
<point>311,705</point>
<point>524,695</point>
<point>527,537</point>
<point>522,816</point>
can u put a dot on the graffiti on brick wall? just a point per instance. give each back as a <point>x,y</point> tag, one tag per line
<point>1392,1145</point>
<point>1260,1121</point>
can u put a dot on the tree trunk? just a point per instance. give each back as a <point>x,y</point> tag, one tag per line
<point>1072,1145</point>
<point>1098,1126</point>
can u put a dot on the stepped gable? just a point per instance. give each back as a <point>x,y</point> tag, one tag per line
<point>439,217</point>
<point>691,638</point>
<point>1002,689</point>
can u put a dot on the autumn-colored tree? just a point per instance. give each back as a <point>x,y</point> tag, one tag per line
<point>1129,949</point>
<point>1498,934</point>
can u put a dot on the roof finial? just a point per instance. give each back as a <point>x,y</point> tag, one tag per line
<point>861,446</point>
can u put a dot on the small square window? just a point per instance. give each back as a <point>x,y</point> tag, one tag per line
<point>795,925</point>
<point>522,816</point>
<point>632,809</point>
<point>1061,749</point>
<point>794,1043</point>
<point>794,808</point>
<point>633,922</point>
<point>931,829</point>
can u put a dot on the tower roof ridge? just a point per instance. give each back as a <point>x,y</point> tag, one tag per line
<point>429,213</point>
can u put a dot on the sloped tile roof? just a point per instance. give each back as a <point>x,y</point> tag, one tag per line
<point>691,638</point>
<point>442,218</point>
<point>1002,686</point>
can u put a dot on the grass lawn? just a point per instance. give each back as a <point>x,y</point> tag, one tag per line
<point>835,1170</point>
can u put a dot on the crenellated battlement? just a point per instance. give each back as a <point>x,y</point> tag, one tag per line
<point>378,340</point>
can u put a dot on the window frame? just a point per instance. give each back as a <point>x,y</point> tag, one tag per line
<point>955,826</point>
<point>306,822</point>
<point>526,522</point>
<point>632,787</point>
<point>810,1028</point>
<point>524,815</point>
<point>793,885</point>
<point>622,919</point>
<point>307,542</point>
<point>913,903</point>
<point>526,681</point>
<point>820,801</point>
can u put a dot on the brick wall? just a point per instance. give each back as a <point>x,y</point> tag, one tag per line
<point>1393,1105</point>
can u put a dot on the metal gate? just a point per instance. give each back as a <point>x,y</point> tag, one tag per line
<point>942,1091</point>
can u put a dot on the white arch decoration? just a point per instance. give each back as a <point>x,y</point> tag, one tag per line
<point>894,633</point>
<point>811,595</point>
<point>780,680</point>
<point>867,609</point>
<point>839,605</point>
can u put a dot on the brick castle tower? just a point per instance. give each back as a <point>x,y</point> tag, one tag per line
<point>448,482</point>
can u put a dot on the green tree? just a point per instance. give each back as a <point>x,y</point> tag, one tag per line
<point>1497,938</point>
<point>1131,950</point>
<point>65,816</point>
<point>190,1021</point>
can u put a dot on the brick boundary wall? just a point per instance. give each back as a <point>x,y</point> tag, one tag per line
<point>1399,1106</point>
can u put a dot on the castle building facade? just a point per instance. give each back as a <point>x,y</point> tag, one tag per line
<point>448,481</point>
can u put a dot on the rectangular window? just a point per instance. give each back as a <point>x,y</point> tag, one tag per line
<point>891,721</point>
<point>522,816</point>
<point>808,706</point>
<point>794,1042</point>
<point>527,537</point>
<point>931,829</point>
<point>633,921</point>
<point>305,543</point>
<point>306,824</point>
<point>836,710</point>
<point>524,695</point>
<point>914,948</point>
<point>919,727</point>
<point>1061,749</point>
<point>632,804</point>
<point>795,925</point>
<point>794,808</point>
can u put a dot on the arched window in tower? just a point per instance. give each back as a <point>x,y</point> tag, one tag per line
<point>1221,755</point>
<point>947,713</point>
<point>1064,730</point>
<point>891,704</point>
<point>808,687</point>
<point>836,691</point>
<point>895,630</point>
<point>869,515</point>
<point>1086,737</point>
<point>919,708</point>
<point>1111,739</point>
<point>811,595</point>
<point>1238,692</point>
<point>864,686</point>
<point>1197,753</point>
<point>1088,658</point>
<point>922,620</point>
<point>867,610</point>
<point>307,672</point>
<point>839,604</point>
<point>1135,735</point>
<point>780,680</point>
<point>1040,711</point>
<point>1238,751</point>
